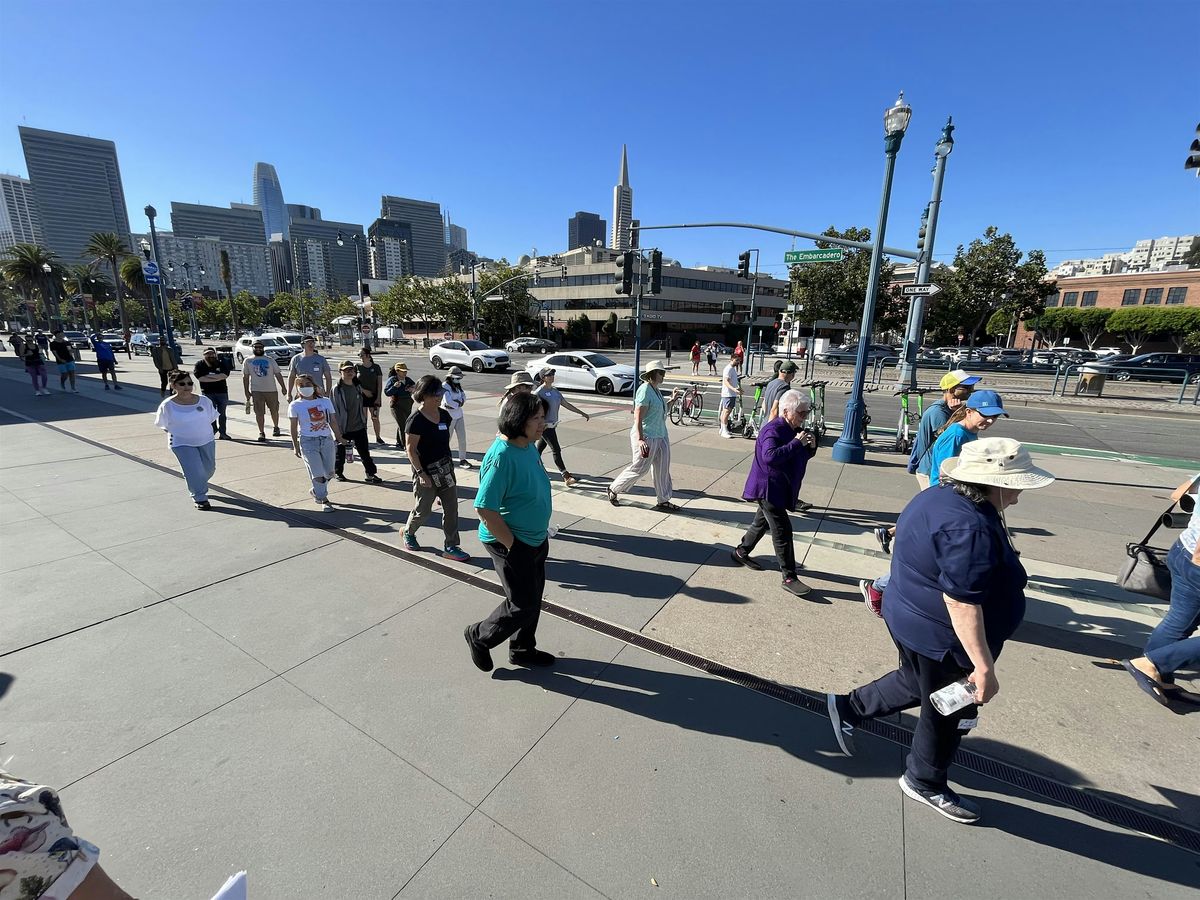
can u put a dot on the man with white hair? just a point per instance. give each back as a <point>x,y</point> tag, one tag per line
<point>781,455</point>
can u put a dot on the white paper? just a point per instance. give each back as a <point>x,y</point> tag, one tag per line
<point>233,889</point>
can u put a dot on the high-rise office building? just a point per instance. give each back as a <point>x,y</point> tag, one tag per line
<point>622,214</point>
<point>427,251</point>
<point>198,260</point>
<point>268,197</point>
<point>584,229</point>
<point>76,188</point>
<point>240,223</point>
<point>317,258</point>
<point>300,211</point>
<point>456,237</point>
<point>18,212</point>
<point>390,245</point>
<point>281,264</point>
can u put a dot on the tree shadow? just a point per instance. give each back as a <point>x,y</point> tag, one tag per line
<point>713,706</point>
<point>6,682</point>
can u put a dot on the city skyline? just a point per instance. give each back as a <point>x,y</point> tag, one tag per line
<point>756,147</point>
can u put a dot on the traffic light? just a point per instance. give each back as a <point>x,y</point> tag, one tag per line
<point>727,312</point>
<point>563,276</point>
<point>778,321</point>
<point>186,304</point>
<point>635,226</point>
<point>624,273</point>
<point>744,265</point>
<point>655,272</point>
<point>921,231</point>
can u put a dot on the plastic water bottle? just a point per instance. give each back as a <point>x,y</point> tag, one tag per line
<point>552,531</point>
<point>953,697</point>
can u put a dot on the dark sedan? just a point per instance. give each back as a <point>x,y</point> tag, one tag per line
<point>1150,367</point>
<point>530,345</point>
<point>850,355</point>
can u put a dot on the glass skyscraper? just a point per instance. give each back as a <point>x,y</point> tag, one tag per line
<point>268,196</point>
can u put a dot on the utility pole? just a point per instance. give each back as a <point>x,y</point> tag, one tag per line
<point>750,323</point>
<point>637,320</point>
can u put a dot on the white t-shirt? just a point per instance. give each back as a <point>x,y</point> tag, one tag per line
<point>1192,534</point>
<point>187,426</point>
<point>728,377</point>
<point>453,400</point>
<point>313,416</point>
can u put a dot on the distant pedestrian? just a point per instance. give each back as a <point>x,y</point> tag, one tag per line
<point>188,419</point>
<point>17,343</point>
<point>454,398</point>
<point>518,383</point>
<point>554,401</point>
<point>696,358</point>
<point>313,364</point>
<point>61,348</point>
<point>35,367</point>
<point>260,375</point>
<point>956,596</point>
<point>781,454</point>
<point>128,339</point>
<point>43,342</point>
<point>731,393</point>
<point>106,362</point>
<point>398,389</point>
<point>711,356</point>
<point>514,507</point>
<point>349,406</point>
<point>427,435</point>
<point>315,435</point>
<point>975,416</point>
<point>370,382</point>
<point>739,353</point>
<point>1173,645</point>
<point>649,440</point>
<point>165,362</point>
<point>213,374</point>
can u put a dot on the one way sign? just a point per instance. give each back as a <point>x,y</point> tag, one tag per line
<point>920,290</point>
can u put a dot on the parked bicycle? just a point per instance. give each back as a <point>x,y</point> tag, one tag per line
<point>688,406</point>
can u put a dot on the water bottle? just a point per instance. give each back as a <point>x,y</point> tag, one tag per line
<point>552,531</point>
<point>953,697</point>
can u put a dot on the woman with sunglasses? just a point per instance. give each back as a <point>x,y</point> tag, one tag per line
<point>189,420</point>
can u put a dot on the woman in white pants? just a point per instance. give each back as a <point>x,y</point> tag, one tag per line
<point>648,439</point>
<point>315,436</point>
<point>453,401</point>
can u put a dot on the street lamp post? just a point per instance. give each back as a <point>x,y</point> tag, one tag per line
<point>50,297</point>
<point>341,242</point>
<point>849,447</point>
<point>191,301</point>
<point>916,311</point>
<point>151,212</point>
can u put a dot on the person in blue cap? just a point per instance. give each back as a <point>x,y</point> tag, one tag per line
<point>968,422</point>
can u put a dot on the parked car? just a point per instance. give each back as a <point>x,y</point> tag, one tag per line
<point>114,340</point>
<point>142,344</point>
<point>759,348</point>
<point>1110,351</point>
<point>584,370</point>
<point>274,346</point>
<point>1011,358</point>
<point>850,354</point>
<point>476,354</point>
<point>946,352</point>
<point>77,339</point>
<point>1151,367</point>
<point>1117,360</point>
<point>530,345</point>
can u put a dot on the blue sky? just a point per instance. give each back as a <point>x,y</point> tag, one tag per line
<point>1073,118</point>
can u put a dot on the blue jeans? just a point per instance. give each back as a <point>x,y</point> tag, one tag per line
<point>1171,646</point>
<point>319,456</point>
<point>198,464</point>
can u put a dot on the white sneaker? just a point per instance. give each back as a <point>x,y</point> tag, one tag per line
<point>726,434</point>
<point>74,390</point>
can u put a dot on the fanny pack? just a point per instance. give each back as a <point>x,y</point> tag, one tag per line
<point>441,472</point>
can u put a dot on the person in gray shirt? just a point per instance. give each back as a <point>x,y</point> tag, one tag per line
<point>351,414</point>
<point>310,363</point>
<point>554,401</point>
<point>776,389</point>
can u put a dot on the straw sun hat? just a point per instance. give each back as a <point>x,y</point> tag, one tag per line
<point>996,462</point>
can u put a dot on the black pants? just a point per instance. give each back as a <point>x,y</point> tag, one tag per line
<point>362,447</point>
<point>774,518</point>
<point>401,414</point>
<point>220,401</point>
<point>550,436</point>
<point>937,737</point>
<point>162,379</point>
<point>522,572</point>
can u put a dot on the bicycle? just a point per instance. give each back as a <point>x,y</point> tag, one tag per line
<point>906,427</point>
<point>688,405</point>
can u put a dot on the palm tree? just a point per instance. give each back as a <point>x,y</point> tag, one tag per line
<point>23,264</point>
<point>109,246</point>
<point>227,278</point>
<point>86,280</point>
<point>130,270</point>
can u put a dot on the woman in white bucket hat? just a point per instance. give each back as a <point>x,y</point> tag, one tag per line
<point>648,439</point>
<point>953,600</point>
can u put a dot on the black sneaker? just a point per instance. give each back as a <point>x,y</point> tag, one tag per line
<point>340,477</point>
<point>795,586</point>
<point>803,506</point>
<point>742,558</point>
<point>204,504</point>
<point>884,536</point>
<point>262,438</point>
<point>481,656</point>
<point>276,433</point>
<point>380,442</point>
<point>842,730</point>
<point>373,479</point>
<point>530,658</point>
<point>945,801</point>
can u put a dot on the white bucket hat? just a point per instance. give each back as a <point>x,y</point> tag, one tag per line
<point>997,461</point>
<point>655,365</point>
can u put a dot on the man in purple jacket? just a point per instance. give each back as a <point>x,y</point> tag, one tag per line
<point>781,456</point>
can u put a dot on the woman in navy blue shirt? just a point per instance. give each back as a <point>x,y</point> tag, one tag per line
<point>953,600</point>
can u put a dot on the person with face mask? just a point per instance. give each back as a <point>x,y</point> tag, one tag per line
<point>260,374</point>
<point>315,434</point>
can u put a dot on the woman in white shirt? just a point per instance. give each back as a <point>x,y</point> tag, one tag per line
<point>453,401</point>
<point>188,419</point>
<point>315,436</point>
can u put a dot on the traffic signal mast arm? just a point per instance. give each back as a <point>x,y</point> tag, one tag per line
<point>823,238</point>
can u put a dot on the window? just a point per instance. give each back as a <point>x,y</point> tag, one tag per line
<point>1089,298</point>
<point>1130,297</point>
<point>1052,300</point>
<point>1176,296</point>
<point>1070,297</point>
<point>1152,296</point>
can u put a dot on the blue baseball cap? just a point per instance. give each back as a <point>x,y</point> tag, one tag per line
<point>987,403</point>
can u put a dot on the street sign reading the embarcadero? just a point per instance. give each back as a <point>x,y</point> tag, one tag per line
<point>811,256</point>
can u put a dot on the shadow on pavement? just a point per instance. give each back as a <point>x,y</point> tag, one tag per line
<point>716,707</point>
<point>6,682</point>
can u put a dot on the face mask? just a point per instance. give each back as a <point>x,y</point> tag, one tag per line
<point>307,391</point>
<point>259,351</point>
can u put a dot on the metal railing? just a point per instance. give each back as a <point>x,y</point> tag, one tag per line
<point>1064,373</point>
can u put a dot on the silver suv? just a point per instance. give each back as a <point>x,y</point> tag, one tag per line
<point>274,345</point>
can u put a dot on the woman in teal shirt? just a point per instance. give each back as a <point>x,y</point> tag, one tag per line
<point>513,504</point>
<point>648,437</point>
<point>979,412</point>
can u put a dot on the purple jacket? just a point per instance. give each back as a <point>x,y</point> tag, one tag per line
<point>778,467</point>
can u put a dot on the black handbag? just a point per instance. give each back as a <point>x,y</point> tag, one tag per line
<point>1145,571</point>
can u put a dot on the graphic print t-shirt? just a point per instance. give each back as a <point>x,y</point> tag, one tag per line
<point>262,371</point>
<point>313,416</point>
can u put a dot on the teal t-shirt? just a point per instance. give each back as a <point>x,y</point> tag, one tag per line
<point>948,446</point>
<point>654,419</point>
<point>513,482</point>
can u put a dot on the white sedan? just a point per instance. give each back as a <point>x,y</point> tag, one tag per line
<point>475,354</point>
<point>585,370</point>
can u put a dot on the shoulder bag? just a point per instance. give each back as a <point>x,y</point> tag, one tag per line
<point>1145,571</point>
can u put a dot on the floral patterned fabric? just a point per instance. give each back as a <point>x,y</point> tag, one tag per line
<point>40,858</point>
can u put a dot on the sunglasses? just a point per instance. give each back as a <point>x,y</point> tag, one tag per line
<point>183,384</point>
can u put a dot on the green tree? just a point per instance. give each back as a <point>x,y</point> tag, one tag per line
<point>1137,325</point>
<point>999,324</point>
<point>455,303</point>
<point>111,247</point>
<point>22,265</point>
<point>393,306</point>
<point>1192,341</point>
<point>106,314</point>
<point>335,309</point>
<point>227,280</point>
<point>296,310</point>
<point>835,291</point>
<point>505,310</point>
<point>579,331</point>
<point>610,328</point>
<point>1053,324</point>
<point>130,272</point>
<point>1091,323</point>
<point>1178,323</point>
<point>83,279</point>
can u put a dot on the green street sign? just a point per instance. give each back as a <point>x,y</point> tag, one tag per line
<point>811,256</point>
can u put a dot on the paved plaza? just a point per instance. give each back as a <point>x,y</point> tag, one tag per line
<point>269,688</point>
